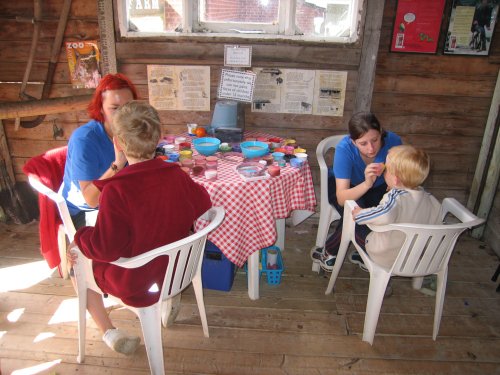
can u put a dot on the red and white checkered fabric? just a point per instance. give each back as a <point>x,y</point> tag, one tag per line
<point>252,206</point>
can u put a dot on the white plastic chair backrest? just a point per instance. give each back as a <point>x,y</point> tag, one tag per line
<point>427,248</point>
<point>60,202</point>
<point>321,150</point>
<point>185,256</point>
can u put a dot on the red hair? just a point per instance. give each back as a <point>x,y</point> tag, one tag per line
<point>108,82</point>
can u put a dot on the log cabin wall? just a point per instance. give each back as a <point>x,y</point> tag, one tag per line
<point>437,102</point>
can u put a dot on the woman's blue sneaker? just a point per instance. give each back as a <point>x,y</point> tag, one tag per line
<point>355,258</point>
<point>317,253</point>
<point>327,262</point>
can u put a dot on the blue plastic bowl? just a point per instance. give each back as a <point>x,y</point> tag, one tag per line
<point>206,146</point>
<point>254,149</point>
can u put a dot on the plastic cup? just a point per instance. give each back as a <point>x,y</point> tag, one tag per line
<point>272,258</point>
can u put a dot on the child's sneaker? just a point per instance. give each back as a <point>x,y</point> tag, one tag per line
<point>327,262</point>
<point>317,253</point>
<point>429,285</point>
<point>355,258</point>
<point>120,342</point>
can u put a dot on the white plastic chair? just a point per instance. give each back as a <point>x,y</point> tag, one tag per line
<point>426,251</point>
<point>328,213</point>
<point>178,276</point>
<point>66,229</point>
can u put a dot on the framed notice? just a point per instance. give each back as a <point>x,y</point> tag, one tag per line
<point>417,25</point>
<point>237,56</point>
<point>236,85</point>
<point>471,27</point>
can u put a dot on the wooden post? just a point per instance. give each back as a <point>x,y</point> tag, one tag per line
<point>371,39</point>
<point>107,33</point>
<point>5,153</point>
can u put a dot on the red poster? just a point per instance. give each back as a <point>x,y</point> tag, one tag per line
<point>417,25</point>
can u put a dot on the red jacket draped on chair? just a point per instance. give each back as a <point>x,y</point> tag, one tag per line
<point>49,169</point>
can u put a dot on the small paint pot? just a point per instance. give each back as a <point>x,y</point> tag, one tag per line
<point>296,162</point>
<point>174,156</point>
<point>199,160</point>
<point>184,146</point>
<point>168,149</point>
<point>211,175</point>
<point>301,156</point>
<point>185,154</point>
<point>299,150</point>
<point>278,155</point>
<point>198,170</point>
<point>188,163</point>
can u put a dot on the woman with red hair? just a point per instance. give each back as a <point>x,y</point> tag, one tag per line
<point>91,154</point>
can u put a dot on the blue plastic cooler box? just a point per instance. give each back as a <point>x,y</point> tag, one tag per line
<point>217,272</point>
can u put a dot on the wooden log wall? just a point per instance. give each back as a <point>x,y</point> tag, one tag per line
<point>436,102</point>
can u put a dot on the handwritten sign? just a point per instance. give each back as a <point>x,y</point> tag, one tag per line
<point>237,56</point>
<point>236,85</point>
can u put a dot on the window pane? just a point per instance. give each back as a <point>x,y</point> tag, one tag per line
<point>155,15</point>
<point>242,11</point>
<point>328,18</point>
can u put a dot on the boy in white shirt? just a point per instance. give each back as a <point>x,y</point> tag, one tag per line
<point>406,202</point>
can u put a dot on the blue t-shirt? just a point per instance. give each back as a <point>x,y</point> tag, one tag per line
<point>90,153</point>
<point>349,165</point>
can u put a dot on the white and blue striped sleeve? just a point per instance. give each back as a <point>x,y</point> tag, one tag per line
<point>384,213</point>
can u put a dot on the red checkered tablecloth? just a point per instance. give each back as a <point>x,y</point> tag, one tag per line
<point>252,206</point>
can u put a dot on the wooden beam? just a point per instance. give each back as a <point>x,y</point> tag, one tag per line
<point>371,38</point>
<point>43,107</point>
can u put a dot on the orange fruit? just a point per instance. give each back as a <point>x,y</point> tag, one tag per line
<point>200,132</point>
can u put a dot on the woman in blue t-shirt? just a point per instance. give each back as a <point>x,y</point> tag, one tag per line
<point>91,154</point>
<point>357,175</point>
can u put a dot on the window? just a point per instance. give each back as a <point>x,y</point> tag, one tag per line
<point>310,20</point>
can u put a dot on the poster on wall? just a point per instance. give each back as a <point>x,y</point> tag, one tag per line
<point>417,25</point>
<point>300,91</point>
<point>471,27</point>
<point>84,64</point>
<point>183,88</point>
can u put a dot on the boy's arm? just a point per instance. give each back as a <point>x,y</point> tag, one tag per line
<point>384,213</point>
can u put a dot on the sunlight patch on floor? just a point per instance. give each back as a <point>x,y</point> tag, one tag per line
<point>44,336</point>
<point>66,312</point>
<point>37,369</point>
<point>15,314</point>
<point>23,276</point>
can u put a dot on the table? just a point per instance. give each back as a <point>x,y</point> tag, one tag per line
<point>256,211</point>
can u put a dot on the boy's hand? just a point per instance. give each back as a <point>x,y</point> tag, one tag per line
<point>355,211</point>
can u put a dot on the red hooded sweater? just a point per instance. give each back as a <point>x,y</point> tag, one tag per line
<point>142,207</point>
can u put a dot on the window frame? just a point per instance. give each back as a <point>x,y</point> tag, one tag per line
<point>285,30</point>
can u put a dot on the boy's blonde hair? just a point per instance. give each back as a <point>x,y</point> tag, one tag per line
<point>409,164</point>
<point>137,126</point>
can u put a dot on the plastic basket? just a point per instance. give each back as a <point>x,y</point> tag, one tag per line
<point>273,275</point>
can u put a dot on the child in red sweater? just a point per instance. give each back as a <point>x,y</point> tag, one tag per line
<point>148,204</point>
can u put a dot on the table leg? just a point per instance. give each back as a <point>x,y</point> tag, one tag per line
<point>253,275</point>
<point>280,234</point>
<point>298,216</point>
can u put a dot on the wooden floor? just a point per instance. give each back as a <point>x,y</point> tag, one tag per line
<point>292,329</point>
